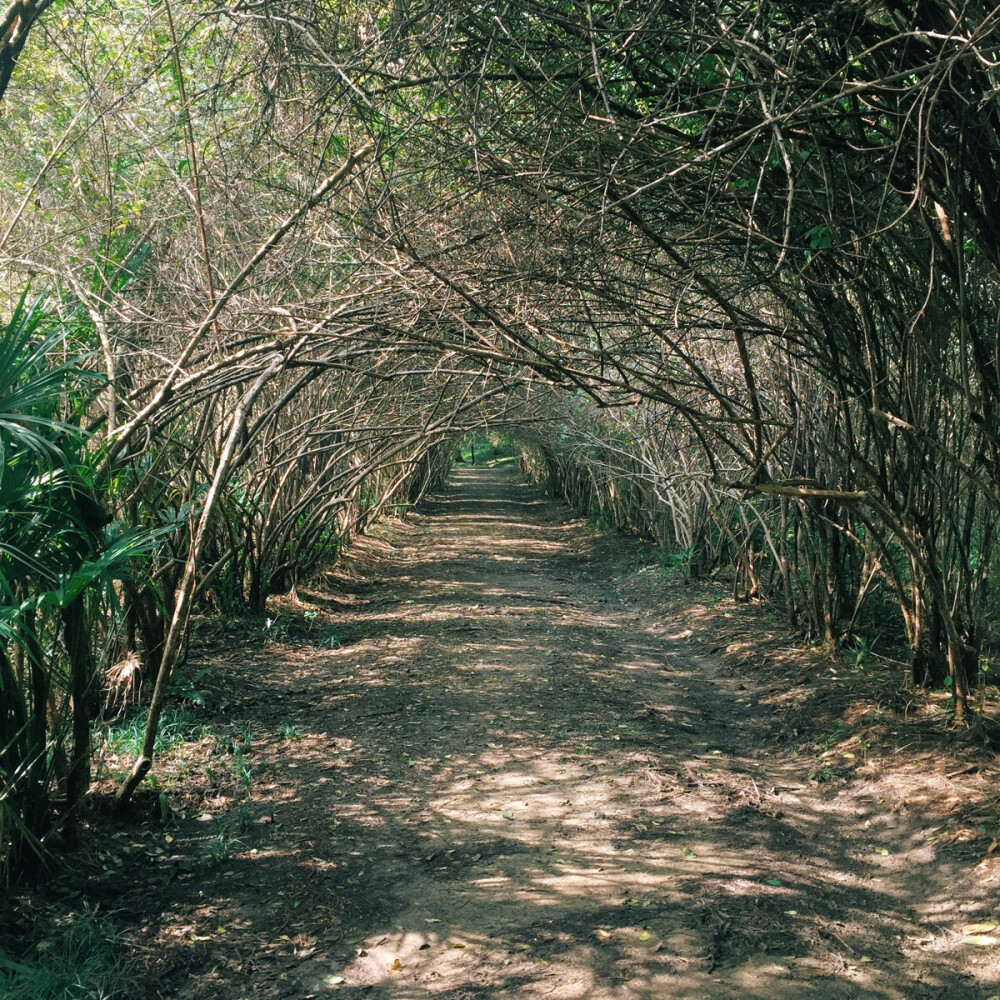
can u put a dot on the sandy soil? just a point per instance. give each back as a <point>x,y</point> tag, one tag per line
<point>501,763</point>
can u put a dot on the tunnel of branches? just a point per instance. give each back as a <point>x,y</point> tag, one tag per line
<point>723,276</point>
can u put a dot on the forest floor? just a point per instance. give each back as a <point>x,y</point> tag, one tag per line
<point>498,756</point>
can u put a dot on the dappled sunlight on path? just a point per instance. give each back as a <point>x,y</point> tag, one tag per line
<point>510,780</point>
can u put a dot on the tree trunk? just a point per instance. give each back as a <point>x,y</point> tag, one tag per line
<point>81,677</point>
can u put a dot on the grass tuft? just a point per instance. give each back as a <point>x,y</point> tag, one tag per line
<point>80,963</point>
<point>177,726</point>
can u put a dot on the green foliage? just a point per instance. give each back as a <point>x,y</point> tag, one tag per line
<point>80,962</point>
<point>837,733</point>
<point>862,652</point>
<point>52,547</point>
<point>600,520</point>
<point>824,774</point>
<point>223,844</point>
<point>276,629</point>
<point>678,562</point>
<point>332,640</point>
<point>177,727</point>
<point>487,448</point>
<point>186,685</point>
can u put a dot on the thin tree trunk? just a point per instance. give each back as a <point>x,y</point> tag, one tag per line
<point>81,676</point>
<point>178,625</point>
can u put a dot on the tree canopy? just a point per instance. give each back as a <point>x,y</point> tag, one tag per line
<point>729,272</point>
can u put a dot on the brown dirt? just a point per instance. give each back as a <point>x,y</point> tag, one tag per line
<point>530,770</point>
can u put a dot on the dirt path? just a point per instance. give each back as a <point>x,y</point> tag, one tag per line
<point>510,779</point>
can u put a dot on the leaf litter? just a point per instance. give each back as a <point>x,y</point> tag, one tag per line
<point>360,874</point>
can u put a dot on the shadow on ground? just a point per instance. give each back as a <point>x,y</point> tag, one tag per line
<point>510,781</point>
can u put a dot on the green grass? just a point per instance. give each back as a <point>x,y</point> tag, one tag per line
<point>223,844</point>
<point>80,963</point>
<point>288,730</point>
<point>177,726</point>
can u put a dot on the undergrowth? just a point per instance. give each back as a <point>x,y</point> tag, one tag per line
<point>177,726</point>
<point>80,962</point>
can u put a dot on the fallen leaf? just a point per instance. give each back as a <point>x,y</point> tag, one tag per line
<point>458,944</point>
<point>507,814</point>
<point>397,965</point>
<point>645,936</point>
<point>774,881</point>
<point>881,850</point>
<point>983,940</point>
<point>601,934</point>
<point>688,853</point>
<point>980,928</point>
<point>334,980</point>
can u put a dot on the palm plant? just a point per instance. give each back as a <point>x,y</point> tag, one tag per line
<point>49,524</point>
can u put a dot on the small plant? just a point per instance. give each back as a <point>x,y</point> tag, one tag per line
<point>187,686</point>
<point>982,677</point>
<point>241,743</point>
<point>991,830</point>
<point>80,963</point>
<point>243,735</point>
<point>839,732</point>
<point>223,844</point>
<point>289,731</point>
<point>862,652</point>
<point>601,521</point>
<point>332,640</point>
<point>824,774</point>
<point>243,818</point>
<point>244,770</point>
<point>678,562</point>
<point>275,630</point>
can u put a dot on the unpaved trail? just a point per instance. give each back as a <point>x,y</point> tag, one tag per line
<point>512,780</point>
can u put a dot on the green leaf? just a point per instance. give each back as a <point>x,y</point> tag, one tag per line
<point>819,237</point>
<point>982,940</point>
